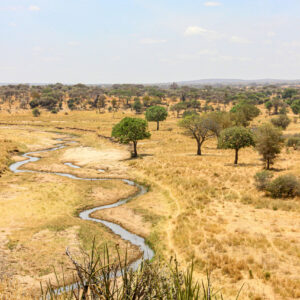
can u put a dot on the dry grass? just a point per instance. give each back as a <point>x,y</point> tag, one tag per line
<point>205,208</point>
<point>39,215</point>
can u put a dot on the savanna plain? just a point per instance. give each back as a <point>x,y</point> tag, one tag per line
<point>201,209</point>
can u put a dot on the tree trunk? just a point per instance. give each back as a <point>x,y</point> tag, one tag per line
<point>268,164</point>
<point>236,156</point>
<point>199,148</point>
<point>157,128</point>
<point>134,149</point>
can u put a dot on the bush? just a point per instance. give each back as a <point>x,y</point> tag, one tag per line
<point>262,179</point>
<point>189,113</point>
<point>281,121</point>
<point>36,112</point>
<point>294,141</point>
<point>284,186</point>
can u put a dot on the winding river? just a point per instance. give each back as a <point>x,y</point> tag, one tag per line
<point>134,239</point>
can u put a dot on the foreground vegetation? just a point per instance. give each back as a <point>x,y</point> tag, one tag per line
<point>98,277</point>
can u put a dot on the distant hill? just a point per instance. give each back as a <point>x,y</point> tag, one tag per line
<point>197,83</point>
<point>239,82</point>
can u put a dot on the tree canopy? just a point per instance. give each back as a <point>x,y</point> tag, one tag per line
<point>236,138</point>
<point>131,130</point>
<point>269,141</point>
<point>156,114</point>
<point>199,128</point>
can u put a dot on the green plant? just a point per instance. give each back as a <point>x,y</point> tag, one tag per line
<point>36,112</point>
<point>262,179</point>
<point>236,138</point>
<point>131,130</point>
<point>294,141</point>
<point>99,277</point>
<point>284,186</point>
<point>156,114</point>
<point>269,141</point>
<point>197,127</point>
<point>282,121</point>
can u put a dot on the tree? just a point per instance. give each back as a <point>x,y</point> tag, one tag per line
<point>269,141</point>
<point>276,102</point>
<point>156,114</point>
<point>236,137</point>
<point>269,106</point>
<point>296,107</point>
<point>281,121</point>
<point>137,106</point>
<point>178,107</point>
<point>131,130</point>
<point>243,113</point>
<point>197,127</point>
<point>220,120</point>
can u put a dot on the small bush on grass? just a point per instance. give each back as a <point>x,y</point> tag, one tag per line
<point>284,186</point>
<point>262,179</point>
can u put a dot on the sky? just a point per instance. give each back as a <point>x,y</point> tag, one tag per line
<point>148,41</point>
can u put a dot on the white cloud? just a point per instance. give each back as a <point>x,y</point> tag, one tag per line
<point>195,30</point>
<point>149,41</point>
<point>239,40</point>
<point>12,24</point>
<point>33,8</point>
<point>211,34</point>
<point>212,4</point>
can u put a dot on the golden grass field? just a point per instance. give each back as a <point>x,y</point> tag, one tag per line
<point>199,208</point>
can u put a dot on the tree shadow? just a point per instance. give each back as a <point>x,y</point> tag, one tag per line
<point>140,156</point>
<point>242,165</point>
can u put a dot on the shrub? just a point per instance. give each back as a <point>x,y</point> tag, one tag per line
<point>294,141</point>
<point>282,121</point>
<point>262,179</point>
<point>36,112</point>
<point>284,186</point>
<point>189,113</point>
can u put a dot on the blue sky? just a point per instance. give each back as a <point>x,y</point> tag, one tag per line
<point>147,41</point>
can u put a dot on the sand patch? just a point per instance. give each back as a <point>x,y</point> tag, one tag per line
<point>108,159</point>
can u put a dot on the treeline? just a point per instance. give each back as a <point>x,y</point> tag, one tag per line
<point>55,97</point>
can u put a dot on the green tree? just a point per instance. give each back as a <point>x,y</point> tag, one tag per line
<point>156,114</point>
<point>220,121</point>
<point>137,106</point>
<point>236,138</point>
<point>296,107</point>
<point>197,127</point>
<point>131,130</point>
<point>243,113</point>
<point>269,141</point>
<point>269,106</point>
<point>178,107</point>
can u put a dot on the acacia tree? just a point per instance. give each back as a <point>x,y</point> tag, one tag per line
<point>269,141</point>
<point>197,127</point>
<point>131,130</point>
<point>156,114</point>
<point>236,137</point>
